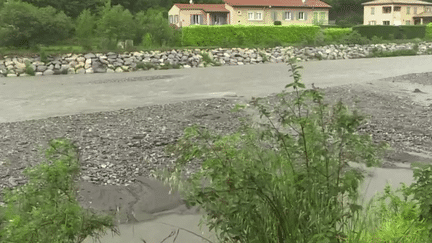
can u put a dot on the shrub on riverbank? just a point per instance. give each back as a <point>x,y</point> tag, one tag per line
<point>271,185</point>
<point>46,209</point>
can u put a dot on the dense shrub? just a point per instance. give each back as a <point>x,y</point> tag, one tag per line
<point>46,208</point>
<point>353,38</point>
<point>278,182</point>
<point>116,24</point>
<point>24,25</point>
<point>277,22</point>
<point>84,29</point>
<point>153,23</point>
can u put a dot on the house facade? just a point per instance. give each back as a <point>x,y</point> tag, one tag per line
<point>250,12</point>
<point>397,12</point>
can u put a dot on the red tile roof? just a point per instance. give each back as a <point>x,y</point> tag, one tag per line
<point>278,3</point>
<point>205,7</point>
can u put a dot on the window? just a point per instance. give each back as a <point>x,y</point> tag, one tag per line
<point>408,10</point>
<point>322,16</point>
<point>372,22</point>
<point>250,16</point>
<point>254,16</point>
<point>195,19</point>
<point>397,9</point>
<point>415,10</point>
<point>258,16</point>
<point>301,16</point>
<point>386,22</point>
<point>275,15</point>
<point>170,19</point>
<point>287,15</point>
<point>386,9</point>
<point>315,18</point>
<point>407,22</point>
<point>176,18</point>
<point>372,10</point>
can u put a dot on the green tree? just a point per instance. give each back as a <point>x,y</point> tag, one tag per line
<point>84,29</point>
<point>115,23</point>
<point>153,22</point>
<point>24,25</point>
<point>71,8</point>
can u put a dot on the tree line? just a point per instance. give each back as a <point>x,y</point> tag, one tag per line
<point>25,23</point>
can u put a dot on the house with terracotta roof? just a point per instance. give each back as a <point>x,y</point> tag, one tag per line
<point>397,12</point>
<point>250,12</point>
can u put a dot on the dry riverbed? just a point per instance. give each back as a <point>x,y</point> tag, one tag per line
<point>120,149</point>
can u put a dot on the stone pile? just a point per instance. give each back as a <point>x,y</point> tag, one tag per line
<point>113,62</point>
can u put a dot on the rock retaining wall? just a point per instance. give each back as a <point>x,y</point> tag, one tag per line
<point>113,62</point>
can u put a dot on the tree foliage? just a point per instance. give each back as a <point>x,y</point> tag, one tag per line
<point>116,23</point>
<point>84,28</point>
<point>24,25</point>
<point>71,8</point>
<point>152,23</point>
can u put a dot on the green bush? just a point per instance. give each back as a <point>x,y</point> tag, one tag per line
<point>277,22</point>
<point>393,220</point>
<point>84,29</point>
<point>43,56</point>
<point>277,185</point>
<point>420,189</point>
<point>46,209</point>
<point>377,40</point>
<point>354,38</point>
<point>29,69</point>
<point>24,25</point>
<point>428,34</point>
<point>153,23</point>
<point>115,24</point>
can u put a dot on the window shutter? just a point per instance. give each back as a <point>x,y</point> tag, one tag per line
<point>305,16</point>
<point>274,15</point>
<point>201,19</point>
<point>191,19</point>
<point>170,19</point>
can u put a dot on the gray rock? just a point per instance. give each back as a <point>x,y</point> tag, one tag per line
<point>80,71</point>
<point>41,68</point>
<point>38,73</point>
<point>99,67</point>
<point>48,72</point>
<point>89,55</point>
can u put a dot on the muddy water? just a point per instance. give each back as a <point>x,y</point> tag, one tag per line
<point>160,228</point>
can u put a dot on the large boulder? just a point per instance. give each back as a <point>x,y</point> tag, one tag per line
<point>99,67</point>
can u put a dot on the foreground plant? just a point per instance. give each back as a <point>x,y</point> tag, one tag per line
<point>46,209</point>
<point>278,184</point>
<point>388,218</point>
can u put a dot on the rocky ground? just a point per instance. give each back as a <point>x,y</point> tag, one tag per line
<point>116,147</point>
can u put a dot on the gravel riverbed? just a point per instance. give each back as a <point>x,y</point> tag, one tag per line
<point>116,147</point>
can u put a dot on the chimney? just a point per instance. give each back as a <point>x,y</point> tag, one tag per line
<point>191,1</point>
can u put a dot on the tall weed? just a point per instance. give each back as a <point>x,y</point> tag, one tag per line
<point>46,209</point>
<point>269,185</point>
